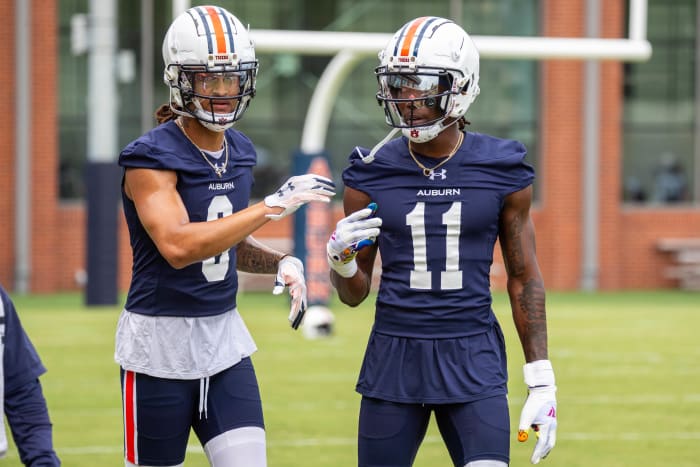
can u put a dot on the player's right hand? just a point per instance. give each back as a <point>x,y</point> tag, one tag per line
<point>297,191</point>
<point>352,233</point>
<point>540,409</point>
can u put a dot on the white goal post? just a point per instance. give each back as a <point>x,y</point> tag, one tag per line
<point>348,48</point>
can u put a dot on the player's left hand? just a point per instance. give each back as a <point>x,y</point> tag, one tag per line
<point>540,409</point>
<point>352,233</point>
<point>290,273</point>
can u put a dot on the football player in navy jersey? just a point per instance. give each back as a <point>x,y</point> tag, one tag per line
<point>183,348</point>
<point>433,203</point>
<point>21,396</point>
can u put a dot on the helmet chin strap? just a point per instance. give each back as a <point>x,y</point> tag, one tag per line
<point>429,133</point>
<point>370,157</point>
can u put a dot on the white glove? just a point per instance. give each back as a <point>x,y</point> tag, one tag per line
<point>352,233</point>
<point>540,409</point>
<point>290,273</point>
<point>298,191</point>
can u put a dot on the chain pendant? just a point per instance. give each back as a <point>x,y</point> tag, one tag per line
<point>219,170</point>
<point>430,171</point>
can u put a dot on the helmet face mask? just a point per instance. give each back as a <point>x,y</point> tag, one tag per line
<point>414,99</point>
<point>206,51</point>
<point>424,52</point>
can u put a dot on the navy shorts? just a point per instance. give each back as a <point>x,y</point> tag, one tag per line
<point>435,370</point>
<point>159,413</point>
<point>390,433</point>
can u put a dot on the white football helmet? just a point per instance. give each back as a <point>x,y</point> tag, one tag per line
<point>436,60</point>
<point>318,322</point>
<point>208,42</point>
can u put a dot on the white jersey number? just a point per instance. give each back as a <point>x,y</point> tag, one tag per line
<point>451,276</point>
<point>216,267</point>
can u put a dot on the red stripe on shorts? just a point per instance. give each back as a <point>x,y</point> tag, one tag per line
<point>130,417</point>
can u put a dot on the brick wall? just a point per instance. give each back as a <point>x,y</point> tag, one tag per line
<point>7,143</point>
<point>46,269</point>
<point>559,210</point>
<point>42,103</point>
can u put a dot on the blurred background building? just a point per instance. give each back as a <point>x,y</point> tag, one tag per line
<point>645,118</point>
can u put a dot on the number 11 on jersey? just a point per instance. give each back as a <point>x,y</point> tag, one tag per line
<point>451,276</point>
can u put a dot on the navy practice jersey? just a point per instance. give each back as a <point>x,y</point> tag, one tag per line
<point>21,363</point>
<point>438,233</point>
<point>200,289</point>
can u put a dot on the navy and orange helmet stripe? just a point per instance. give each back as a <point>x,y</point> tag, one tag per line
<point>412,34</point>
<point>218,26</point>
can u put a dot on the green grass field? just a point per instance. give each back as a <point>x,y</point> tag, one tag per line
<point>627,367</point>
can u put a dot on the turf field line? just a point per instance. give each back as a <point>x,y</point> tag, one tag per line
<point>632,399</point>
<point>194,449</point>
<point>516,402</point>
<point>628,436</point>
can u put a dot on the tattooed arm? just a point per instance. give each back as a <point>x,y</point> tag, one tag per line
<point>525,284</point>
<point>257,258</point>
<point>526,291</point>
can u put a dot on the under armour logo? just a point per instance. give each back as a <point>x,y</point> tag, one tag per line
<point>414,133</point>
<point>289,186</point>
<point>442,174</point>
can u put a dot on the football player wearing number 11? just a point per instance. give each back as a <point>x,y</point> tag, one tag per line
<point>433,203</point>
<point>184,350</point>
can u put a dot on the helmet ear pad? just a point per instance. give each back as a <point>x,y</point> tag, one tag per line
<point>466,91</point>
<point>186,82</point>
<point>170,78</point>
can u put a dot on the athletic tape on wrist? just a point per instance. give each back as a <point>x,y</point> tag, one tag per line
<point>539,373</point>
<point>345,270</point>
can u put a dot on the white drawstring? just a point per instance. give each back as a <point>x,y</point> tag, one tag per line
<point>370,157</point>
<point>203,395</point>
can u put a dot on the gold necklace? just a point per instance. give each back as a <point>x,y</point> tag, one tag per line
<point>218,169</point>
<point>429,171</point>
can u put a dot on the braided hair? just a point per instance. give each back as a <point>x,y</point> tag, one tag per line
<point>164,114</point>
